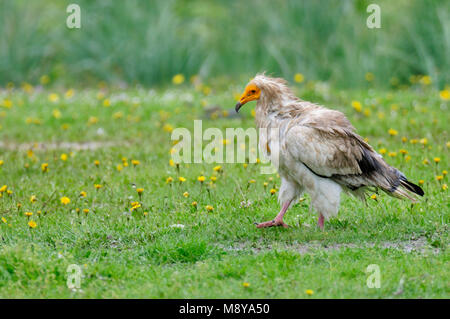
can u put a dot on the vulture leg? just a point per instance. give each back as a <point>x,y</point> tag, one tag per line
<point>278,221</point>
<point>321,221</point>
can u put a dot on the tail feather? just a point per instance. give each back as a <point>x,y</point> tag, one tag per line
<point>412,187</point>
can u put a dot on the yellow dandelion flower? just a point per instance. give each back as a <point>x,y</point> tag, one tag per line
<point>178,79</point>
<point>439,177</point>
<point>168,128</point>
<point>83,194</point>
<point>98,186</point>
<point>444,187</point>
<point>96,162</point>
<point>404,139</point>
<point>444,172</point>
<point>63,157</point>
<point>33,198</point>
<point>206,90</point>
<point>201,178</point>
<point>209,208</point>
<point>217,168</point>
<point>7,103</point>
<point>186,194</point>
<point>392,154</point>
<point>273,191</point>
<point>135,205</point>
<point>382,151</point>
<point>374,196</point>
<point>426,161</point>
<point>423,141</point>
<point>65,200</point>
<point>4,220</point>
<point>86,210</point>
<point>194,204</point>
<point>213,178</point>
<point>169,180</point>
<point>135,162</point>
<point>44,79</point>
<point>119,167</point>
<point>28,214</point>
<point>117,115</point>
<point>44,167</point>
<point>309,292</point>
<point>392,132</point>
<point>265,184</point>
<point>3,188</point>
<point>92,120</point>
<point>407,158</point>
<point>425,80</point>
<point>421,182</point>
<point>171,163</point>
<point>106,103</point>
<point>299,78</point>
<point>357,106</point>
<point>245,284</point>
<point>413,141</point>
<point>403,151</point>
<point>437,159</point>
<point>56,114</point>
<point>369,76</point>
<point>69,93</point>
<point>445,95</point>
<point>139,190</point>
<point>53,97</point>
<point>27,87</point>
<point>32,224</point>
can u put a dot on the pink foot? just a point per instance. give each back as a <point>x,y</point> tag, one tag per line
<point>321,221</point>
<point>272,223</point>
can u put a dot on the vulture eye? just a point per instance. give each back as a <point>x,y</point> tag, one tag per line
<point>253,91</point>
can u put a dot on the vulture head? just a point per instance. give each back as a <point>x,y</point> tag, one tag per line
<point>270,91</point>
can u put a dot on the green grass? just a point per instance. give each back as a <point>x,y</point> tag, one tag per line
<point>150,41</point>
<point>126,253</point>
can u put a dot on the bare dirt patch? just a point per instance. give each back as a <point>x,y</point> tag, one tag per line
<point>419,245</point>
<point>41,146</point>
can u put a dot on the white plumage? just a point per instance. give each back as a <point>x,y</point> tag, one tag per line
<point>316,151</point>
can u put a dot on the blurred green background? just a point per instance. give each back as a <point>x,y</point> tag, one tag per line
<point>148,42</point>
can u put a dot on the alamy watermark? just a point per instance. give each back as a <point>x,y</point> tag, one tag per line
<point>236,146</point>
<point>73,20</point>
<point>374,279</point>
<point>74,277</point>
<point>374,19</point>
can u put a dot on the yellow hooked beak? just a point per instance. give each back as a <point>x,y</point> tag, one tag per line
<point>251,93</point>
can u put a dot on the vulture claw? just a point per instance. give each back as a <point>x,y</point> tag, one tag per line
<point>271,223</point>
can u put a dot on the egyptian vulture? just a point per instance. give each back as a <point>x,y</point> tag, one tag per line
<point>316,150</point>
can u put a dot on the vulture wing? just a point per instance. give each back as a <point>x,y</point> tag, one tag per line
<point>329,150</point>
<point>327,145</point>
